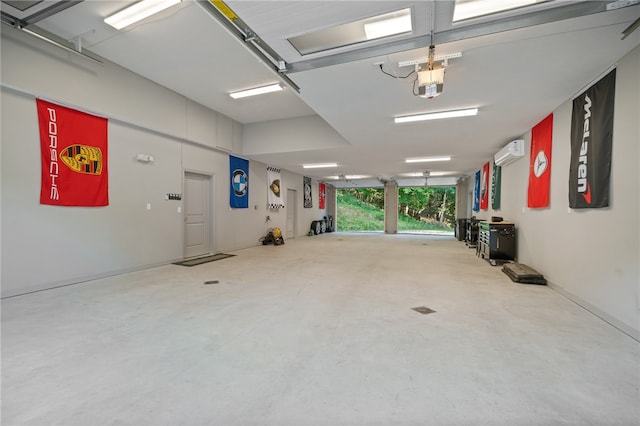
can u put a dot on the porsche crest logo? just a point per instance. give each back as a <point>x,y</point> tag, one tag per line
<point>82,159</point>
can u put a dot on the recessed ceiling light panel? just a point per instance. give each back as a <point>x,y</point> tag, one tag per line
<point>468,9</point>
<point>388,24</point>
<point>372,28</point>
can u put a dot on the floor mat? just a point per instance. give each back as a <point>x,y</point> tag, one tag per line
<point>205,259</point>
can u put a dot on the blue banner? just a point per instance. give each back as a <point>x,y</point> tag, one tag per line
<point>476,193</point>
<point>239,177</point>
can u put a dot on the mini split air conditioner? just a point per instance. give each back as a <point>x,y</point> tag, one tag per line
<point>510,153</point>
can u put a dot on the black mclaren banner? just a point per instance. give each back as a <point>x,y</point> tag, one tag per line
<point>591,138</point>
<point>496,184</point>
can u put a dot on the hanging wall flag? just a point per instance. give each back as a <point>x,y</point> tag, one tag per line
<point>540,163</point>
<point>476,193</point>
<point>73,147</point>
<point>239,178</point>
<point>484,187</point>
<point>308,203</point>
<point>274,190</point>
<point>591,140</point>
<point>496,187</point>
<point>322,193</point>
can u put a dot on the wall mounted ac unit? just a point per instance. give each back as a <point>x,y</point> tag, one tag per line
<point>510,153</point>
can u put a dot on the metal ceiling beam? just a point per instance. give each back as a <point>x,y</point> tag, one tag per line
<point>631,28</point>
<point>8,19</point>
<point>48,37</point>
<point>44,13</point>
<point>567,11</point>
<point>255,44</point>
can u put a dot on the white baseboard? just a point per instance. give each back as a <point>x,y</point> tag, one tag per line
<point>626,329</point>
<point>78,280</point>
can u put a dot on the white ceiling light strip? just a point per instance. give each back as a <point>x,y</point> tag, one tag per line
<point>138,12</point>
<point>436,115</point>
<point>319,165</point>
<point>427,159</point>
<point>256,91</point>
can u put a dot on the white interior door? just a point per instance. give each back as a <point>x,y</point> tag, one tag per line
<point>197,215</point>
<point>291,213</point>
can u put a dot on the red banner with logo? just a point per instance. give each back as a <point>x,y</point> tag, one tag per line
<point>540,163</point>
<point>484,188</point>
<point>322,190</point>
<point>74,157</point>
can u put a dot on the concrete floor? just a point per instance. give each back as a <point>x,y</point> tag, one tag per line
<point>318,331</point>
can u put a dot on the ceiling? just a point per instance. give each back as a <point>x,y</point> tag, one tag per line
<point>516,67</point>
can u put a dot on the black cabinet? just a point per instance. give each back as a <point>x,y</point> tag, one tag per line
<point>472,232</point>
<point>497,241</point>
<point>461,229</point>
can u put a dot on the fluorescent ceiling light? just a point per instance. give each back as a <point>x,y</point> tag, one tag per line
<point>436,115</point>
<point>426,159</point>
<point>348,177</point>
<point>397,23</point>
<point>319,165</point>
<point>256,91</point>
<point>138,12</point>
<point>430,174</point>
<point>468,9</point>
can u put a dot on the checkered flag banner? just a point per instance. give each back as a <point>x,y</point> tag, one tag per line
<point>274,189</point>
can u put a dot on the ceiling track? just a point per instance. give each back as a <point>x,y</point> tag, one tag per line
<point>630,29</point>
<point>43,14</point>
<point>568,11</point>
<point>238,28</point>
<point>37,32</point>
<point>29,21</point>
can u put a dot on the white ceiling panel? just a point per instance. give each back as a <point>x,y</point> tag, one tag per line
<point>516,68</point>
<point>186,50</point>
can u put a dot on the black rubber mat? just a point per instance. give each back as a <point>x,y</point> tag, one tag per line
<point>204,259</point>
<point>521,273</point>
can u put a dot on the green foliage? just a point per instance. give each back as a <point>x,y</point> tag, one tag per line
<point>420,209</point>
<point>354,214</point>
<point>429,203</point>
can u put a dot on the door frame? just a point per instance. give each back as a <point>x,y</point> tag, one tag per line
<point>212,202</point>
<point>292,204</point>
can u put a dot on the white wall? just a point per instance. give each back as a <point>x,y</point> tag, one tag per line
<point>590,255</point>
<point>46,246</point>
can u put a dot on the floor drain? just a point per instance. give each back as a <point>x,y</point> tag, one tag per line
<point>212,282</point>
<point>423,310</point>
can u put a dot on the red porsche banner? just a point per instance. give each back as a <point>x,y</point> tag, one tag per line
<point>322,189</point>
<point>74,157</point>
<point>540,163</point>
<point>484,188</point>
